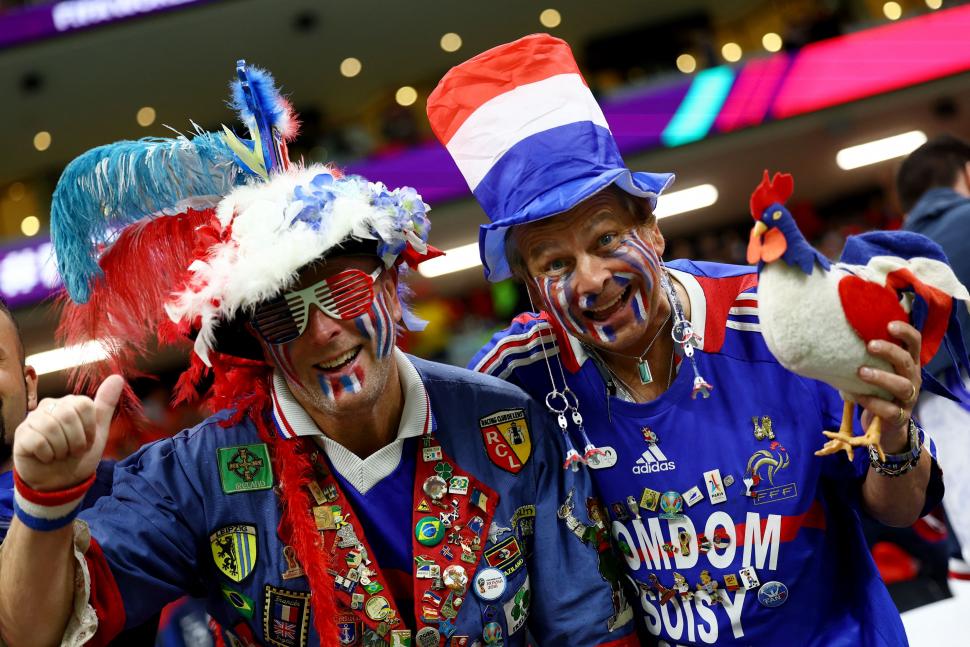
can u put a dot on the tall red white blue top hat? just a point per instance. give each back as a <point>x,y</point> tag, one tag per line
<point>529,138</point>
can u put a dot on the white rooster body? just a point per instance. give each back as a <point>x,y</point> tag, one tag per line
<point>804,325</point>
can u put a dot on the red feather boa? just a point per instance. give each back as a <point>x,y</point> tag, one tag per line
<point>243,386</point>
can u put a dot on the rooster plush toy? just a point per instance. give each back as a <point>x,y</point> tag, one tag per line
<point>818,317</point>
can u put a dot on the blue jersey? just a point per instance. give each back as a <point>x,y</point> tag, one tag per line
<point>205,512</point>
<point>732,530</point>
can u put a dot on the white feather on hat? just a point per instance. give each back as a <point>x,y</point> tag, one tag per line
<point>272,229</point>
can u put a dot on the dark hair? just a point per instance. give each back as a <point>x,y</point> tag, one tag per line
<point>5,309</point>
<point>638,207</point>
<point>934,164</point>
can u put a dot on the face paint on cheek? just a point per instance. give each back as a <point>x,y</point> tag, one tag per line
<point>557,295</point>
<point>643,259</point>
<point>326,388</point>
<point>604,333</point>
<point>376,324</point>
<point>281,353</point>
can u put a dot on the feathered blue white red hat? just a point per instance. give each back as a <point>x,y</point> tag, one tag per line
<point>529,138</point>
<point>197,231</point>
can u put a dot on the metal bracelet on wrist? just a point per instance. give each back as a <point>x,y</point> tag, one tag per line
<point>898,464</point>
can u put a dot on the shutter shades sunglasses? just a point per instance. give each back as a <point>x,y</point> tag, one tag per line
<point>345,295</point>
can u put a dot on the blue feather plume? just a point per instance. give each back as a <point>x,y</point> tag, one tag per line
<point>266,97</point>
<point>266,113</point>
<point>115,185</point>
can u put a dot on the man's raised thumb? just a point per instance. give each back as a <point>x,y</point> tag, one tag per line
<point>106,399</point>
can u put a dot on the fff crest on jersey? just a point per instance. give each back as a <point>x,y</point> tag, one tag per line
<point>765,464</point>
<point>234,550</point>
<point>507,439</point>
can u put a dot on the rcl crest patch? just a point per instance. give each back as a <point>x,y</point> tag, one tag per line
<point>507,440</point>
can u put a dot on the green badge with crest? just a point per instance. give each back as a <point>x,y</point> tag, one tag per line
<point>245,468</point>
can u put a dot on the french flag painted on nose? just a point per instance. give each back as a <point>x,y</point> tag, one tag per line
<point>529,138</point>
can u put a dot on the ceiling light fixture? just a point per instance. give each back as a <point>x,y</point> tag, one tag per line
<point>455,260</point>
<point>350,67</point>
<point>550,18</point>
<point>691,199</point>
<point>451,42</point>
<point>42,140</point>
<point>879,150</point>
<point>59,359</point>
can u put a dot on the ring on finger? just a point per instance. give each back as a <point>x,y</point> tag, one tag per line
<point>911,398</point>
<point>900,417</point>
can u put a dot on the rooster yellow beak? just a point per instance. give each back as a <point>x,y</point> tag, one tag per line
<point>759,229</point>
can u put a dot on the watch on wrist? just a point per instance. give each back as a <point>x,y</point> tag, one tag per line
<point>899,464</point>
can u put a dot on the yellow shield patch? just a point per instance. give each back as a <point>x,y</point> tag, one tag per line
<point>506,435</point>
<point>234,551</point>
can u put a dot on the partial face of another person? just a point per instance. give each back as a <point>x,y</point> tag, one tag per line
<point>18,384</point>
<point>596,269</point>
<point>337,362</point>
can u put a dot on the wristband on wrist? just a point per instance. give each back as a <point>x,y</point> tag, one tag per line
<point>46,511</point>
<point>899,464</point>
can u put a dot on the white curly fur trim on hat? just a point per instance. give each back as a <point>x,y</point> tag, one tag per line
<point>268,243</point>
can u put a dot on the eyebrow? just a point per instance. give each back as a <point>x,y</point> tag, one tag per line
<point>544,246</point>
<point>597,218</point>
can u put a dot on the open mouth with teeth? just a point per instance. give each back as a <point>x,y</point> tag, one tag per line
<point>339,363</point>
<point>605,310</point>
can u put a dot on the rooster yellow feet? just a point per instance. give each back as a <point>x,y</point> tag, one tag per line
<point>843,440</point>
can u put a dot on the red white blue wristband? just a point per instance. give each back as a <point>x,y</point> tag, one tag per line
<point>46,511</point>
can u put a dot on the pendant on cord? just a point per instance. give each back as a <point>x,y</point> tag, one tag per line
<point>646,377</point>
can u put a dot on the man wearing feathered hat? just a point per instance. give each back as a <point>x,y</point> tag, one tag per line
<point>698,441</point>
<point>344,491</point>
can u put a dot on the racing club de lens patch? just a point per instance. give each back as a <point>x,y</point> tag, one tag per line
<point>507,439</point>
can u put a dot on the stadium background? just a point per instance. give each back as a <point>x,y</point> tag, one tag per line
<point>714,90</point>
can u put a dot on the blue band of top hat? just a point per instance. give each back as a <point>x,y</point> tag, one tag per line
<point>547,174</point>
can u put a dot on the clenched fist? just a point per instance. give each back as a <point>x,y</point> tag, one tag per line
<point>60,443</point>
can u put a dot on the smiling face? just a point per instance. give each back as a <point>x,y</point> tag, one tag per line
<point>596,269</point>
<point>18,384</point>
<point>340,366</point>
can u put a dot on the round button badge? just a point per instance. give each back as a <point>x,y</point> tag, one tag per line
<point>377,608</point>
<point>773,594</point>
<point>429,531</point>
<point>489,584</point>
<point>492,633</point>
<point>427,637</point>
<point>455,578</point>
<point>435,487</point>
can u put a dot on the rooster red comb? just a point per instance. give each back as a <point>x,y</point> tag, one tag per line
<point>777,189</point>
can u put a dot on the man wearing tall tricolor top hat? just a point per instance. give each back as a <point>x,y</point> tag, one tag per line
<point>698,441</point>
<point>343,492</point>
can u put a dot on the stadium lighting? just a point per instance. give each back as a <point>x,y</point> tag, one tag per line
<point>879,150</point>
<point>696,197</point>
<point>457,259</point>
<point>59,359</point>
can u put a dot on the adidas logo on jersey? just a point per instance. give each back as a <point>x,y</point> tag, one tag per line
<point>653,460</point>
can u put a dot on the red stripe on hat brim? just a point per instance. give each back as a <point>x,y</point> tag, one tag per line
<point>494,72</point>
